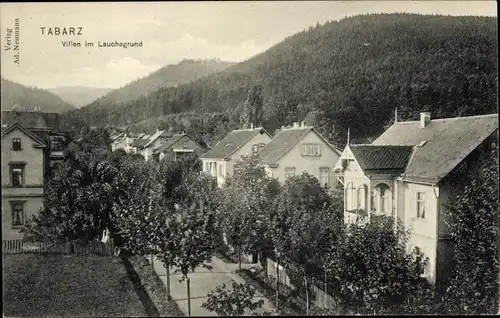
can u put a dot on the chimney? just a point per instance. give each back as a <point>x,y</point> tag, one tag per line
<point>296,125</point>
<point>425,118</point>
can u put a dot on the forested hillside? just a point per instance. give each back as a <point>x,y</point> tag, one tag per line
<point>168,76</point>
<point>22,97</point>
<point>352,73</point>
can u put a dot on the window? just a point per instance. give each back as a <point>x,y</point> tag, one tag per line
<point>324,177</point>
<point>185,144</point>
<point>362,193</point>
<point>17,175</point>
<point>236,169</point>
<point>420,205</point>
<point>384,200</point>
<point>56,144</point>
<point>16,144</point>
<point>289,172</point>
<point>311,150</point>
<point>381,197</point>
<point>17,213</point>
<point>350,197</point>
<point>374,200</point>
<point>220,170</point>
<point>255,149</point>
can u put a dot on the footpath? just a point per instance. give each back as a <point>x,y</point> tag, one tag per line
<point>204,281</point>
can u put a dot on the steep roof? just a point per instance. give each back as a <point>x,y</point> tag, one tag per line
<point>372,157</point>
<point>284,141</point>
<point>441,145</point>
<point>168,143</point>
<point>8,129</point>
<point>140,143</point>
<point>232,142</point>
<point>153,137</point>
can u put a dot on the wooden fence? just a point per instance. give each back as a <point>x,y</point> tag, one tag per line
<point>320,298</point>
<point>283,277</point>
<point>22,247</point>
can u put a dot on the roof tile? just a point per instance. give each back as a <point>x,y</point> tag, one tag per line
<point>448,142</point>
<point>232,142</point>
<point>382,157</point>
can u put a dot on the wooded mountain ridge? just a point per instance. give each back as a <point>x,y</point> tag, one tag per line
<point>348,73</point>
<point>14,95</point>
<point>168,76</point>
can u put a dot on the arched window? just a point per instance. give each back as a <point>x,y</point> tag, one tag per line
<point>362,197</point>
<point>374,200</point>
<point>350,197</point>
<point>381,199</point>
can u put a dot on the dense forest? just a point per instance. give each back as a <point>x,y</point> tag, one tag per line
<point>27,98</point>
<point>351,73</point>
<point>168,76</point>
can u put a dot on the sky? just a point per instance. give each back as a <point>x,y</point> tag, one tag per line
<point>170,32</point>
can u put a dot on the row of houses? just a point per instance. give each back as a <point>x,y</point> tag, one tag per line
<point>31,146</point>
<point>292,151</point>
<point>158,146</point>
<point>409,172</point>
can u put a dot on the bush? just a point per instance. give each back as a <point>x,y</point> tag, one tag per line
<point>234,302</point>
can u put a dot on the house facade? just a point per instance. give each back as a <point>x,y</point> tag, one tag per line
<point>23,178</point>
<point>124,142</point>
<point>409,172</point>
<point>177,146</point>
<point>299,149</point>
<point>220,160</point>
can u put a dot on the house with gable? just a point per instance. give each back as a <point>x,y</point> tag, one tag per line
<point>410,171</point>
<point>299,149</point>
<point>147,143</point>
<point>220,160</point>
<point>24,164</point>
<point>177,145</point>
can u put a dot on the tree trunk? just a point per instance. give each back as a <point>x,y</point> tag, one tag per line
<point>167,267</point>
<point>239,257</point>
<point>277,283</point>
<point>153,262</point>
<point>188,282</point>
<point>325,291</point>
<point>307,295</point>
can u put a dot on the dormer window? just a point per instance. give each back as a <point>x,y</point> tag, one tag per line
<point>16,144</point>
<point>255,149</point>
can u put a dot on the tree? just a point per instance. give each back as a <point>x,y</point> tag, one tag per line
<point>233,302</point>
<point>253,108</point>
<point>244,208</point>
<point>472,218</point>
<point>193,238</point>
<point>79,199</point>
<point>305,226</point>
<point>140,210</point>
<point>375,271</point>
